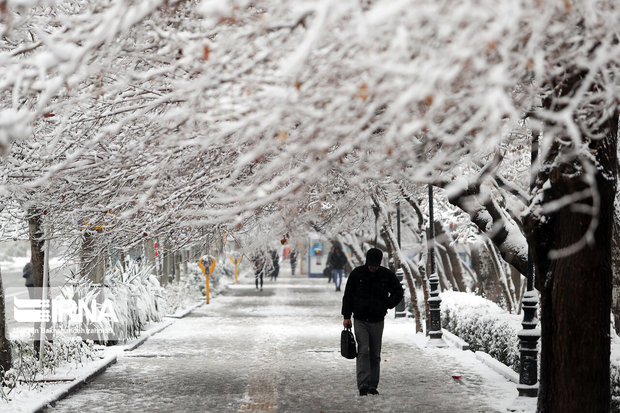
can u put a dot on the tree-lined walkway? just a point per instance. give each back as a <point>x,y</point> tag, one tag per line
<point>278,350</point>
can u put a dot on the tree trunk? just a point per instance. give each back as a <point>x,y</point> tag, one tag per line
<point>37,254</point>
<point>399,260</point>
<point>394,250</point>
<point>575,287</point>
<point>185,254</point>
<point>178,257</point>
<point>5,344</point>
<point>457,268</point>
<point>149,249</point>
<point>92,264</point>
<point>444,268</point>
<point>501,276</point>
<point>449,257</point>
<point>165,263</point>
<point>479,265</point>
<point>122,260</point>
<point>615,261</point>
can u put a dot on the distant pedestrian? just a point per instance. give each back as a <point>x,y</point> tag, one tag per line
<point>371,289</point>
<point>337,262</point>
<point>327,271</point>
<point>293,260</point>
<point>28,274</point>
<point>259,263</point>
<point>275,265</point>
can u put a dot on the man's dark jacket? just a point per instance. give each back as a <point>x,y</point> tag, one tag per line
<point>337,260</point>
<point>369,295</point>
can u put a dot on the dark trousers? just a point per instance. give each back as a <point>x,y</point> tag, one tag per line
<point>259,276</point>
<point>368,362</point>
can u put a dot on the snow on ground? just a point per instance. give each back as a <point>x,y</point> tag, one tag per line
<point>277,350</point>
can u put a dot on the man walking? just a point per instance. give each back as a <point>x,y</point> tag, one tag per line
<point>337,260</point>
<point>293,258</point>
<point>371,289</point>
<point>28,274</point>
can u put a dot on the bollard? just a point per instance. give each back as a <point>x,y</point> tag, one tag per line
<point>207,265</point>
<point>235,257</point>
<point>207,289</point>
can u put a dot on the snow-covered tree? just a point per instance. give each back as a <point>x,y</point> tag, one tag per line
<point>228,114</point>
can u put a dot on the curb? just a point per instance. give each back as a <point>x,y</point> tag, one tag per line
<point>147,334</point>
<point>498,366</point>
<point>454,340</point>
<point>98,368</point>
<point>68,388</point>
<point>185,312</point>
<point>485,358</point>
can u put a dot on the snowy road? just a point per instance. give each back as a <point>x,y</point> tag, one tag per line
<point>278,351</point>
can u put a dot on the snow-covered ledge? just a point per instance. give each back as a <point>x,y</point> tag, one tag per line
<point>498,366</point>
<point>455,340</point>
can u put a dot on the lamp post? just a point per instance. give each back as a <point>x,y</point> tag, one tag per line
<point>398,223</point>
<point>528,339</point>
<point>400,310</point>
<point>434,301</point>
<point>529,335</point>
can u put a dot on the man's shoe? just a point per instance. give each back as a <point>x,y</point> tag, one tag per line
<point>363,392</point>
<point>373,391</point>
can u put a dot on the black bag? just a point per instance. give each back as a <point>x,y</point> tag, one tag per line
<point>348,348</point>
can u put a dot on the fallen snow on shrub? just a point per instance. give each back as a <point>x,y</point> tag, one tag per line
<point>483,324</point>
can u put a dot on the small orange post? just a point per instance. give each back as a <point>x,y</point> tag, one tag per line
<point>235,257</point>
<point>207,292</point>
<point>207,265</point>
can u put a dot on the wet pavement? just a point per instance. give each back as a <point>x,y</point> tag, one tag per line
<point>278,351</point>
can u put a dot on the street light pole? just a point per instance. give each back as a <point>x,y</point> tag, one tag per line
<point>434,301</point>
<point>529,335</point>
<point>400,310</point>
<point>398,223</point>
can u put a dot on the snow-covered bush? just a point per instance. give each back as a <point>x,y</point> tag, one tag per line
<point>483,324</point>
<point>224,269</point>
<point>615,385</point>
<point>26,366</point>
<point>487,327</point>
<point>178,296</point>
<point>614,371</point>
<point>137,296</point>
<point>134,294</point>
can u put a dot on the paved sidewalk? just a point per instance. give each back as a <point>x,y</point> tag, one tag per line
<point>278,351</point>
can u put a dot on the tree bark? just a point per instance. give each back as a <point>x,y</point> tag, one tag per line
<point>149,248</point>
<point>575,288</point>
<point>396,253</point>
<point>451,262</point>
<point>166,264</point>
<point>501,276</point>
<point>178,257</point>
<point>185,257</point>
<point>5,344</point>
<point>37,254</point>
<point>615,248</point>
<point>92,264</point>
